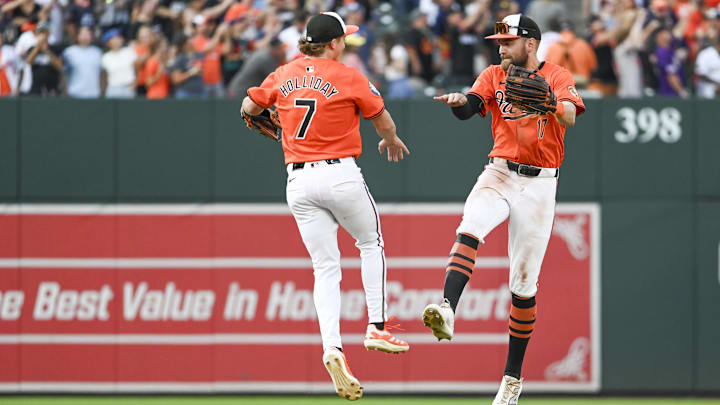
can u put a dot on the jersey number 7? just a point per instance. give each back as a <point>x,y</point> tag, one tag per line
<point>310,104</point>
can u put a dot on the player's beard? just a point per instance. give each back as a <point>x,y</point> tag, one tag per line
<point>520,60</point>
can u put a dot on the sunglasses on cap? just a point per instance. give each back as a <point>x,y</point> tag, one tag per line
<point>503,28</point>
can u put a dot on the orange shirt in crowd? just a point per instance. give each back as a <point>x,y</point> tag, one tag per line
<point>211,65</point>
<point>574,54</point>
<point>523,137</point>
<point>140,51</point>
<point>5,88</point>
<point>320,102</point>
<point>161,88</point>
<point>236,11</point>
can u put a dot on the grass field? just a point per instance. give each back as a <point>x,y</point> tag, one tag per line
<point>327,400</point>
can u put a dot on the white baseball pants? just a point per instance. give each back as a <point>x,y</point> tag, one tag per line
<point>529,202</point>
<point>322,196</point>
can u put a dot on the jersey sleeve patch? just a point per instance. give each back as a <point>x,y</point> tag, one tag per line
<point>574,92</point>
<point>373,89</point>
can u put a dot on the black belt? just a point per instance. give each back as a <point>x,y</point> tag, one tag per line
<point>298,166</point>
<point>525,170</point>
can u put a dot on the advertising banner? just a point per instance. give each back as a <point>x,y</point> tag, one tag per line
<point>218,298</point>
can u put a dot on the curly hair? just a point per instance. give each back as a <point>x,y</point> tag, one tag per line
<point>310,48</point>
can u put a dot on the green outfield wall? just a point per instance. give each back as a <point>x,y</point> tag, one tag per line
<point>651,164</point>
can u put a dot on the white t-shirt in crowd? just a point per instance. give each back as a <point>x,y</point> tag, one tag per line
<point>25,42</point>
<point>82,65</point>
<point>708,64</point>
<point>290,37</point>
<point>119,66</point>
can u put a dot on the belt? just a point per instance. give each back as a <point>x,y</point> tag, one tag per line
<point>528,170</point>
<point>299,166</point>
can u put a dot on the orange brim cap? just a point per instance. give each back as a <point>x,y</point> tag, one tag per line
<point>351,29</point>
<point>502,36</point>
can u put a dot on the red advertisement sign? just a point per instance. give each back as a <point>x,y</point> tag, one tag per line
<point>218,298</point>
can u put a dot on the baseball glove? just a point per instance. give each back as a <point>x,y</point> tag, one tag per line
<point>267,123</point>
<point>529,92</point>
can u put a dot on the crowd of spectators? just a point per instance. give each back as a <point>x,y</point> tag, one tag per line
<point>410,48</point>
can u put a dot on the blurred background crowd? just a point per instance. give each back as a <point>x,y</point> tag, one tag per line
<point>409,48</point>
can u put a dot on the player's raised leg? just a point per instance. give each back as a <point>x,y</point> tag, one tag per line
<point>359,216</point>
<point>530,226</point>
<point>484,209</point>
<point>441,318</point>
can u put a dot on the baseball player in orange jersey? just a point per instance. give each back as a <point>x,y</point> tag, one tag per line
<point>320,101</point>
<point>518,183</point>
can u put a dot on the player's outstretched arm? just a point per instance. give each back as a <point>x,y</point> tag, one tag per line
<point>452,99</point>
<point>385,127</point>
<point>463,106</point>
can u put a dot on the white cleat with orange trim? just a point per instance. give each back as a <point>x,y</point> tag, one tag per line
<point>346,385</point>
<point>441,319</point>
<point>384,341</point>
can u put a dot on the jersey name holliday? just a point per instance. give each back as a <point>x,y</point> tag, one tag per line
<point>313,83</point>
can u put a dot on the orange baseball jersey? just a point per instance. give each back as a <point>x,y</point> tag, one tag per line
<point>319,101</point>
<point>522,137</point>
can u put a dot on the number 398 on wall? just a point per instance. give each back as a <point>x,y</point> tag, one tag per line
<point>647,124</point>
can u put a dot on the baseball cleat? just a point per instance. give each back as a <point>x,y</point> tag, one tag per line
<point>346,385</point>
<point>509,391</point>
<point>384,341</point>
<point>441,319</point>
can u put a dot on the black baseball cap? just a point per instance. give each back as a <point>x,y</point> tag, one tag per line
<point>327,26</point>
<point>516,26</point>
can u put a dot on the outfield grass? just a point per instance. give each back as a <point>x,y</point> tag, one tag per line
<point>327,400</point>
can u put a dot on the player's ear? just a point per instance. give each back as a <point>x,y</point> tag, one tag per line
<point>528,44</point>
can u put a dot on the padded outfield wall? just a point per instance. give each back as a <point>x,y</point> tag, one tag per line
<point>649,167</point>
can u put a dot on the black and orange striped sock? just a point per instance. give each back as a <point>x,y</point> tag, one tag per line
<point>522,322</point>
<point>459,268</point>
